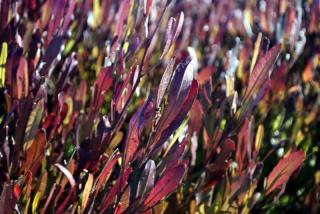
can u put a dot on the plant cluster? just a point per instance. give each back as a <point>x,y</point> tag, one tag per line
<point>159,106</point>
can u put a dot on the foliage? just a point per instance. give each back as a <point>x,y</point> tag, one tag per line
<point>159,106</point>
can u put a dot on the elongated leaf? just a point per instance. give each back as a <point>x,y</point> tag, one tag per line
<point>4,13</point>
<point>168,36</point>
<point>136,125</point>
<point>178,26</point>
<point>3,60</point>
<point>7,199</point>
<point>22,79</point>
<point>67,173</point>
<point>67,18</point>
<point>146,7</point>
<point>86,192</point>
<point>106,171</point>
<point>167,183</point>
<point>221,164</point>
<point>147,180</point>
<point>51,53</point>
<point>174,154</point>
<point>33,123</point>
<point>102,85</point>
<point>118,186</point>
<point>256,51</point>
<point>35,153</point>
<point>283,170</point>
<point>260,73</point>
<point>71,191</point>
<point>165,80</point>
<point>174,120</point>
<point>122,16</point>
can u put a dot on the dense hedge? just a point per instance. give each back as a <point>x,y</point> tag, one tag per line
<point>159,106</point>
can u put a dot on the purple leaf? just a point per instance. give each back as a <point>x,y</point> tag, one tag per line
<point>167,183</point>
<point>135,127</point>
<point>147,179</point>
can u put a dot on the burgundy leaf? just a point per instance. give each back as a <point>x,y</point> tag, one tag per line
<point>221,164</point>
<point>241,155</point>
<point>56,18</point>
<point>283,170</point>
<point>174,154</point>
<point>4,12</point>
<point>174,118</point>
<point>106,171</point>
<point>167,183</point>
<point>122,16</point>
<point>7,199</point>
<point>135,127</point>
<point>67,18</point>
<point>119,185</point>
<point>260,73</point>
<point>102,85</point>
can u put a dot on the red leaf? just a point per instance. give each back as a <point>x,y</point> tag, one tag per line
<point>174,115</point>
<point>68,16</point>
<point>122,16</point>
<point>167,183</point>
<point>205,75</point>
<point>221,164</point>
<point>278,79</point>
<point>146,6</point>
<point>172,158</point>
<point>103,83</point>
<point>260,73</point>
<point>283,170</point>
<point>242,153</point>
<point>7,199</point>
<point>136,125</point>
<point>106,171</point>
<point>119,185</point>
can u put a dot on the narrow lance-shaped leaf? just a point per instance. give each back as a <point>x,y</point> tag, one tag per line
<point>22,78</point>
<point>106,171</point>
<point>174,154</point>
<point>118,186</point>
<point>146,7</point>
<point>168,36</point>
<point>103,83</point>
<point>3,60</point>
<point>122,16</point>
<point>86,192</point>
<point>33,123</point>
<point>260,73</point>
<point>71,191</point>
<point>283,170</point>
<point>175,118</point>
<point>257,47</point>
<point>165,80</point>
<point>135,127</point>
<point>147,179</point>
<point>167,183</point>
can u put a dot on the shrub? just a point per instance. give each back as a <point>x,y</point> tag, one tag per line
<point>159,106</point>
